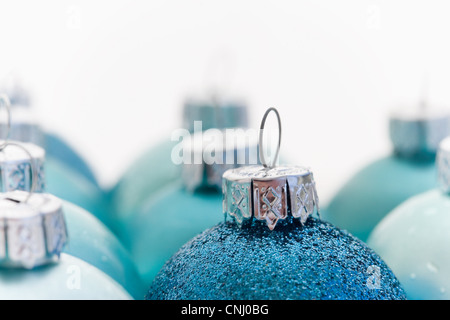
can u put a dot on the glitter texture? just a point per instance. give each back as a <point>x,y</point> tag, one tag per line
<point>314,261</point>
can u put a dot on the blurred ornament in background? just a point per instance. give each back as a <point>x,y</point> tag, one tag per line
<point>413,238</point>
<point>271,247</point>
<point>67,174</point>
<point>379,187</point>
<point>142,180</point>
<point>185,208</point>
<point>21,168</point>
<point>214,107</point>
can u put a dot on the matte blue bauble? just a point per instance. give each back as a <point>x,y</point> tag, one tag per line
<point>92,242</point>
<point>67,184</point>
<point>167,221</point>
<point>145,177</point>
<point>413,240</point>
<point>69,279</point>
<point>56,148</point>
<point>314,261</point>
<point>377,189</point>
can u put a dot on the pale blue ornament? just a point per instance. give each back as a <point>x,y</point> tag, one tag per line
<point>413,238</point>
<point>379,187</point>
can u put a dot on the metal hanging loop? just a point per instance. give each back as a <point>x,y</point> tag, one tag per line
<point>32,166</point>
<point>4,101</point>
<point>261,134</point>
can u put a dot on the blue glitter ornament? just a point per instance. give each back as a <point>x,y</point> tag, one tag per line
<point>378,188</point>
<point>313,261</point>
<point>138,183</point>
<point>413,238</point>
<point>271,247</point>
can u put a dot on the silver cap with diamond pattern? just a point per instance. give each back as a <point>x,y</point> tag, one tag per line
<point>32,229</point>
<point>269,194</point>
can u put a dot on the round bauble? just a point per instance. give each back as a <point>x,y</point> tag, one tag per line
<point>313,261</point>
<point>68,279</point>
<point>167,221</point>
<point>91,241</point>
<point>377,189</point>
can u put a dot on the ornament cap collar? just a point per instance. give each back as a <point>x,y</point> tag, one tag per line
<point>269,193</point>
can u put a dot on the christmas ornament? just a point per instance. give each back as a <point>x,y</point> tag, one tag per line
<point>25,128</point>
<point>412,238</point>
<point>378,188</point>
<point>183,209</point>
<point>32,235</point>
<point>138,183</point>
<point>270,247</point>
<point>22,168</point>
<point>65,175</point>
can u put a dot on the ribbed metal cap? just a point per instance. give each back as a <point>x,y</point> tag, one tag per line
<point>214,112</point>
<point>417,133</point>
<point>211,153</point>
<point>32,229</point>
<point>269,194</point>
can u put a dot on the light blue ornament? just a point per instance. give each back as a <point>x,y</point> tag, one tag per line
<point>165,223</point>
<point>56,148</point>
<point>69,279</point>
<point>67,174</point>
<point>378,188</point>
<point>22,168</point>
<point>155,169</point>
<point>33,233</point>
<point>413,238</point>
<point>67,184</point>
<point>177,213</point>
<point>94,243</point>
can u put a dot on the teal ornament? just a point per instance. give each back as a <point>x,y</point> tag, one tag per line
<point>138,183</point>
<point>67,184</point>
<point>33,233</point>
<point>56,148</point>
<point>69,279</point>
<point>272,249</point>
<point>22,168</point>
<point>412,238</point>
<point>67,174</point>
<point>94,243</point>
<point>183,209</point>
<point>378,188</point>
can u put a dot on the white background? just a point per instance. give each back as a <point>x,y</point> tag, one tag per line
<point>111,76</point>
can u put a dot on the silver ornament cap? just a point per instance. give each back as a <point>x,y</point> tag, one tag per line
<point>417,133</point>
<point>24,127</point>
<point>443,164</point>
<point>32,229</point>
<point>214,112</point>
<point>18,163</point>
<point>211,153</point>
<point>267,192</point>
